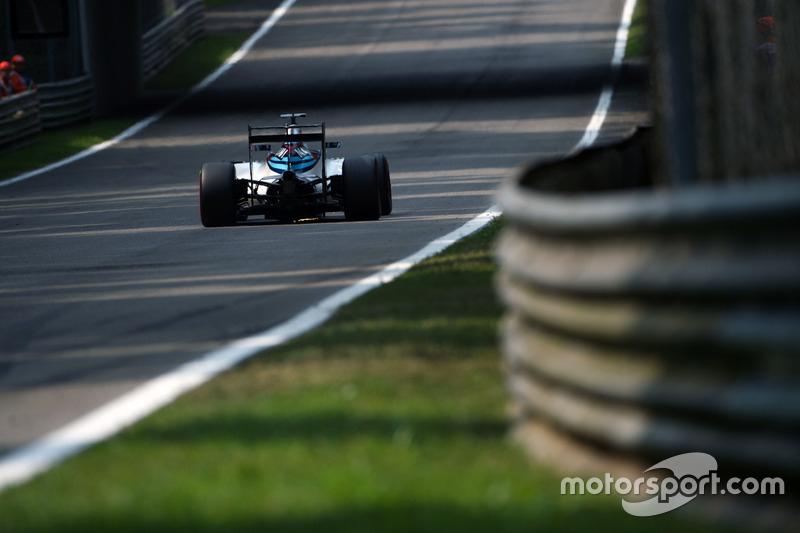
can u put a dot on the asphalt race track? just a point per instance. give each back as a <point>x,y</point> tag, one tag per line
<point>107,277</point>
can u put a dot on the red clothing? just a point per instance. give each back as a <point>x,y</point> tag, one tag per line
<point>18,83</point>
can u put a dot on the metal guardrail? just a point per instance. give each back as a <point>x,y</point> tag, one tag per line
<point>646,323</point>
<point>162,43</point>
<point>19,120</point>
<point>66,102</point>
<point>52,105</point>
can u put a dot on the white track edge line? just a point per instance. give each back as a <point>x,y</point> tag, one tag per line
<point>268,24</point>
<point>109,419</point>
<point>27,461</point>
<point>603,105</point>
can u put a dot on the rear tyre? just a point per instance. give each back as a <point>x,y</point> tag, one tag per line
<point>361,189</point>
<point>218,195</point>
<point>384,183</point>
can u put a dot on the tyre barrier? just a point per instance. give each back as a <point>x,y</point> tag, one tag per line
<point>66,102</point>
<point>169,38</point>
<point>19,120</point>
<point>644,323</point>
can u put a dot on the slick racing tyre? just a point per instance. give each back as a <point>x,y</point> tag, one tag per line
<point>384,183</point>
<point>218,195</point>
<point>361,189</point>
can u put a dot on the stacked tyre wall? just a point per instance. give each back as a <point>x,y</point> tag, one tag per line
<point>652,287</point>
<point>643,324</point>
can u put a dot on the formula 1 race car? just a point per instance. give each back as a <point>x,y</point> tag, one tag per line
<point>283,185</point>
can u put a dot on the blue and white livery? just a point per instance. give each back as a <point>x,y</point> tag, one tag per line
<point>289,184</point>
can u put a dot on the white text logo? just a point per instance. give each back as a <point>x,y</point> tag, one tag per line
<point>693,474</point>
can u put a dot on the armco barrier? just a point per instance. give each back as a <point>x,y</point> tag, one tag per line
<point>19,120</point>
<point>66,102</point>
<point>645,323</point>
<point>52,105</point>
<point>165,41</point>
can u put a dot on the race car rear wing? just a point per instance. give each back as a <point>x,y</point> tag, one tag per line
<point>286,137</point>
<point>289,133</point>
<point>264,135</point>
<point>260,138</point>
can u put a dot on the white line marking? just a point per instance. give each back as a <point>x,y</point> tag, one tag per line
<point>599,117</point>
<point>139,126</point>
<point>26,462</point>
<point>102,423</point>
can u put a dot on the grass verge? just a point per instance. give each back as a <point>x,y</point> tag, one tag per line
<point>59,144</point>
<point>637,45</point>
<point>202,58</point>
<point>391,417</point>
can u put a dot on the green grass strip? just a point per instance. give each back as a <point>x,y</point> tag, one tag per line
<point>202,58</point>
<point>638,35</point>
<point>59,144</point>
<point>392,417</point>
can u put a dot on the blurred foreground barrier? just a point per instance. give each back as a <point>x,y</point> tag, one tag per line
<point>66,102</point>
<point>643,324</point>
<point>165,41</point>
<point>19,120</point>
